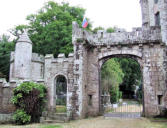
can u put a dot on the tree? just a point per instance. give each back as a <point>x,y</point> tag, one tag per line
<point>97,28</point>
<point>132,74</point>
<point>111,77</point>
<point>110,30</point>
<point>5,49</point>
<point>51,28</point>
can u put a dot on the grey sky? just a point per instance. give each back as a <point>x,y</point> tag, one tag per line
<point>121,13</point>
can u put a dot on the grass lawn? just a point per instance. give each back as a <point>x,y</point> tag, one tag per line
<point>61,109</point>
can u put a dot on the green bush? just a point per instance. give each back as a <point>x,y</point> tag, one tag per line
<point>29,97</point>
<point>21,117</point>
<point>61,101</point>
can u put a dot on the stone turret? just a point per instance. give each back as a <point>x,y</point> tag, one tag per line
<point>23,56</point>
<point>145,13</point>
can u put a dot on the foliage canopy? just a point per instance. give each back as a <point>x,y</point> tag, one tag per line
<point>51,28</point>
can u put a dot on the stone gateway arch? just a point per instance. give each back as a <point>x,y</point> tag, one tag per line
<point>146,45</point>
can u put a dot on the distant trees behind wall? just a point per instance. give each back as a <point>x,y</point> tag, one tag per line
<point>6,47</point>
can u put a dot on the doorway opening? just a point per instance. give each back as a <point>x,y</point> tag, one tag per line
<point>60,94</point>
<point>121,88</point>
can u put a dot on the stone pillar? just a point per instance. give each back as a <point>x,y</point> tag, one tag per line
<point>80,61</point>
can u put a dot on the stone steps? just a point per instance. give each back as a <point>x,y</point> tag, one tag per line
<point>53,121</point>
<point>54,118</point>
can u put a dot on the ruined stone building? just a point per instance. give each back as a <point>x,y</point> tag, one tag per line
<point>146,45</point>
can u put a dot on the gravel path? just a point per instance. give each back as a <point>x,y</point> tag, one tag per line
<point>100,122</point>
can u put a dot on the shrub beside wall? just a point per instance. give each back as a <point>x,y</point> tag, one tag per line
<point>29,99</point>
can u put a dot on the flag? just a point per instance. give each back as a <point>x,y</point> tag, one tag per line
<point>84,23</point>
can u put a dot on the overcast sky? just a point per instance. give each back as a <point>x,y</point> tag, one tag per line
<point>106,13</point>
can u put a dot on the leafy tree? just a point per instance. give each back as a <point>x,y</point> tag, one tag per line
<point>112,76</point>
<point>51,28</point>
<point>5,48</point>
<point>132,73</point>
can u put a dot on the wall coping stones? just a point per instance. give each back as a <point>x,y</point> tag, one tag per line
<point>71,55</point>
<point>38,58</point>
<point>137,36</point>
<point>40,80</point>
<point>48,56</point>
<point>61,55</point>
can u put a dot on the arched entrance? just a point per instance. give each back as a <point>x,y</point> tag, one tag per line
<point>120,93</point>
<point>92,50</point>
<point>60,96</point>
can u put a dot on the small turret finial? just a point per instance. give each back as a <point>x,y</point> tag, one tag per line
<point>24,37</point>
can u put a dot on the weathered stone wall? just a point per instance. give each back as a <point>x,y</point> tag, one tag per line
<point>6,107</point>
<point>149,10</point>
<point>154,77</point>
<point>61,66</point>
<point>143,44</point>
<point>37,67</point>
<point>145,13</point>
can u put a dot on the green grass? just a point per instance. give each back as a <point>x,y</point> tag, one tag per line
<point>60,109</point>
<point>52,126</point>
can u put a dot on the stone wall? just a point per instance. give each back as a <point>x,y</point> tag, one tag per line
<point>145,13</point>
<point>149,10</point>
<point>6,107</point>
<point>154,78</point>
<point>61,66</point>
<point>37,67</point>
